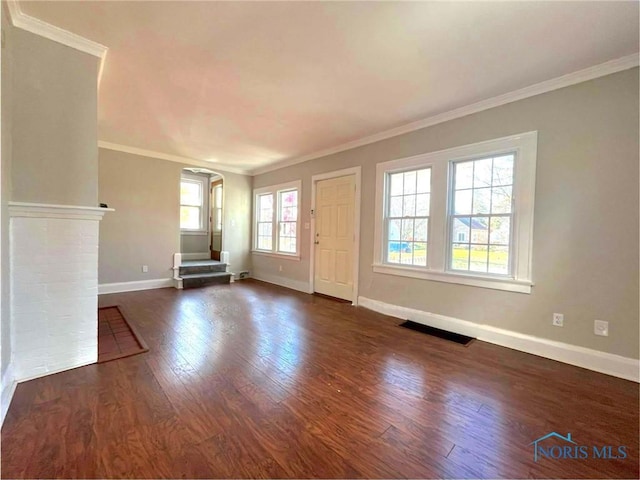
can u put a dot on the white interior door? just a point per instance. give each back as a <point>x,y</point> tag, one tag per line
<point>334,237</point>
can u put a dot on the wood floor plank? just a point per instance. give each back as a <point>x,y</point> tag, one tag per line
<point>256,381</point>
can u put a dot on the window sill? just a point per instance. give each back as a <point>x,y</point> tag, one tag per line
<point>506,284</point>
<point>194,232</point>
<point>288,256</point>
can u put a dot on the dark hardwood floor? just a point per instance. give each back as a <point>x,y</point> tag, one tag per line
<point>252,380</point>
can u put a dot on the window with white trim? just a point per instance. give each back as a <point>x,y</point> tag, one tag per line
<point>193,204</point>
<point>407,217</point>
<point>481,215</point>
<point>277,219</point>
<point>462,215</point>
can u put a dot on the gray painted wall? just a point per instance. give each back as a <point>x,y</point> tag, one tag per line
<point>145,228</point>
<point>585,253</point>
<point>55,152</point>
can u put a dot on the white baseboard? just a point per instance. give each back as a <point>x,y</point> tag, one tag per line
<point>120,287</point>
<point>608,363</point>
<point>196,256</point>
<point>298,285</point>
<point>8,388</point>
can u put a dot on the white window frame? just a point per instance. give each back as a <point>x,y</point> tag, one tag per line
<point>204,206</point>
<point>276,190</point>
<point>520,280</point>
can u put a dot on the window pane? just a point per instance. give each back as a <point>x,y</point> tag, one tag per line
<point>393,231</point>
<point>289,214</point>
<point>264,243</point>
<point>409,183</point>
<point>393,252</point>
<point>462,202</point>
<point>482,173</point>
<point>265,208</point>
<point>422,205</point>
<point>499,260</point>
<point>265,201</point>
<point>420,254</point>
<point>406,253</point>
<point>479,230</point>
<point>190,218</point>
<point>481,200</point>
<point>288,244</point>
<point>265,229</point>
<point>396,184</point>
<point>395,207</point>
<point>500,230</point>
<point>191,193</point>
<point>463,175</point>
<point>409,206</point>
<point>478,260</point>
<point>289,199</point>
<point>424,181</point>
<point>407,230</point>
<point>462,229</point>
<point>503,170</point>
<point>420,230</point>
<point>218,219</point>
<point>460,257</point>
<point>501,200</point>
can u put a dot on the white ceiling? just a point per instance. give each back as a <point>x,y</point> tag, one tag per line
<point>251,84</point>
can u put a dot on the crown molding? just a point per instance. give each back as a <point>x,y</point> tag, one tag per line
<point>171,158</point>
<point>46,210</point>
<point>601,70</point>
<point>21,20</point>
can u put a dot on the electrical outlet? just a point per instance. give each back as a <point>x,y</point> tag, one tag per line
<point>601,328</point>
<point>145,268</point>
<point>558,320</point>
<point>279,268</point>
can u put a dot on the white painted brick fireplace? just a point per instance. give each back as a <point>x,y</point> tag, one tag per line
<point>54,287</point>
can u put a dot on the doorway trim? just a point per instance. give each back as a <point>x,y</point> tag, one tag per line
<point>357,171</point>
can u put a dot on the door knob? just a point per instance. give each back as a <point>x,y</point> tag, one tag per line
<point>317,242</point>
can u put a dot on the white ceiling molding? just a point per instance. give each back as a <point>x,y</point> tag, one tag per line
<point>607,68</point>
<point>171,158</point>
<point>21,20</point>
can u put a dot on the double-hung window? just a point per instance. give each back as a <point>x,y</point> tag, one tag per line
<point>407,217</point>
<point>462,215</point>
<point>277,219</point>
<point>481,215</point>
<point>193,202</point>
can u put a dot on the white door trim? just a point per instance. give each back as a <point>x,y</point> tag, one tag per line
<point>357,172</point>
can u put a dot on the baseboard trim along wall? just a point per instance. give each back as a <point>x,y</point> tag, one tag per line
<point>608,363</point>
<point>8,389</point>
<point>300,286</point>
<point>121,287</point>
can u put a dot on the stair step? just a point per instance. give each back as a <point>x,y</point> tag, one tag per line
<point>201,266</point>
<point>192,263</point>
<point>201,279</point>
